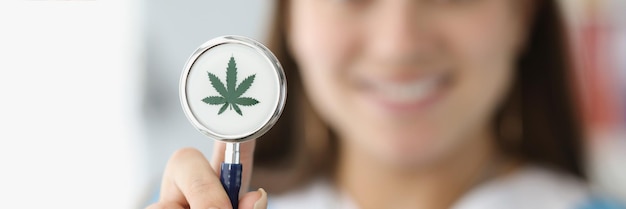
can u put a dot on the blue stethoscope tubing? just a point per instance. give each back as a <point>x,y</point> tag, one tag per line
<point>231,172</point>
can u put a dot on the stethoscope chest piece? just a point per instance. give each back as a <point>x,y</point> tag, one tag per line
<point>233,89</point>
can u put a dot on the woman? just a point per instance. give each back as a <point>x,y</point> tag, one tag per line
<point>409,104</point>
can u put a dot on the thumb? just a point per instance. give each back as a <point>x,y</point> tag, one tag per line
<point>246,155</point>
<point>254,200</point>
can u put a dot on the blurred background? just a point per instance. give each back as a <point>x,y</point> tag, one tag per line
<point>89,93</point>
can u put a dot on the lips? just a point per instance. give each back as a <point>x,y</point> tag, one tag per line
<point>405,94</point>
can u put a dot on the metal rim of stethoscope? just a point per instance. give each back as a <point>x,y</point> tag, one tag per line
<point>269,57</point>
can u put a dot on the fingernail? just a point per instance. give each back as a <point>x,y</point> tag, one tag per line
<point>262,202</point>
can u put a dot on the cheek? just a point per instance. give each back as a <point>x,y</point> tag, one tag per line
<point>487,37</point>
<point>484,47</point>
<point>321,42</point>
<point>317,37</point>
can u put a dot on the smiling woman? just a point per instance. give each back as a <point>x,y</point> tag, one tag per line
<point>412,81</point>
<point>412,104</point>
<point>535,94</point>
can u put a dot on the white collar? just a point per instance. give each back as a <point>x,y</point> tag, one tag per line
<point>528,188</point>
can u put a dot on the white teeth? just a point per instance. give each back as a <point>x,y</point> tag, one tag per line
<point>408,92</point>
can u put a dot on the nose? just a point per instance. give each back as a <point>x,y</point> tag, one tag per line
<point>397,33</point>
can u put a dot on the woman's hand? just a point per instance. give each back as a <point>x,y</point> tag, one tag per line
<point>190,181</point>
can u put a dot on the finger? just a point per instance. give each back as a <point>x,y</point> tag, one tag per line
<point>254,200</point>
<point>246,157</point>
<point>165,205</point>
<point>190,180</point>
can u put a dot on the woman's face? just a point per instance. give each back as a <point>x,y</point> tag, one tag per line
<point>406,81</point>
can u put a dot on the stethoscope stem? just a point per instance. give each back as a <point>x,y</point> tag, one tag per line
<point>231,172</point>
<point>231,155</point>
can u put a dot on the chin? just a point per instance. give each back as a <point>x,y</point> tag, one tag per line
<point>408,150</point>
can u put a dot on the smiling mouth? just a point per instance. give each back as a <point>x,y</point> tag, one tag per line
<point>405,94</point>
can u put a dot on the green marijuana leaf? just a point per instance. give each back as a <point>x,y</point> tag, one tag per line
<point>230,94</point>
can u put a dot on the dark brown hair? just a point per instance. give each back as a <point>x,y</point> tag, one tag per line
<point>537,122</point>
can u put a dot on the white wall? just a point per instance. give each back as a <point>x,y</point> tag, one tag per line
<point>69,125</point>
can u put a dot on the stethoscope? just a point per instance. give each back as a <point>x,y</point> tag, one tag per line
<point>233,89</point>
